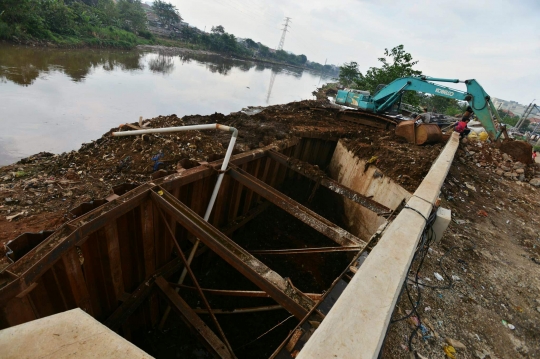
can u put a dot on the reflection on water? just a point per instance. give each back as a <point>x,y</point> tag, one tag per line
<point>23,65</point>
<point>55,99</point>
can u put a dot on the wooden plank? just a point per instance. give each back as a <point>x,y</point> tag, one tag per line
<point>249,193</point>
<point>148,240</point>
<point>218,215</point>
<point>128,255</point>
<point>192,320</point>
<point>17,311</point>
<point>92,275</point>
<point>42,300</point>
<point>235,194</point>
<point>77,283</point>
<point>113,259</point>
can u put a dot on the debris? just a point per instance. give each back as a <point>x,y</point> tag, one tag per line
<point>455,343</point>
<point>511,327</point>
<point>449,351</point>
<point>438,276</point>
<point>10,218</point>
<point>470,186</point>
<point>482,213</point>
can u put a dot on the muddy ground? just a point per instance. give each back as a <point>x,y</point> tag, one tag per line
<point>492,247</point>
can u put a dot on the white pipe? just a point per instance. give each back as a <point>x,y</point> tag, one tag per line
<point>169,129</point>
<point>224,165</point>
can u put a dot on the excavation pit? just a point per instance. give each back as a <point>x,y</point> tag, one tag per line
<point>291,225</point>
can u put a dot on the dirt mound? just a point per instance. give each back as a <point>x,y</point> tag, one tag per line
<point>519,150</point>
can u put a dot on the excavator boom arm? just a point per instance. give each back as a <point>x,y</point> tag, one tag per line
<point>477,98</point>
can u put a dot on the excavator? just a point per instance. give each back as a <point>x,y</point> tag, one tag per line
<point>389,96</point>
<point>374,110</point>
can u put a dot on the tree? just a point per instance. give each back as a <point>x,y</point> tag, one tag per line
<point>396,63</point>
<point>167,12</point>
<point>217,29</point>
<point>349,73</point>
<point>440,104</point>
<point>132,14</point>
<point>251,44</point>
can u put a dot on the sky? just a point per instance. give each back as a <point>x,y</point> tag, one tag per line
<point>496,42</point>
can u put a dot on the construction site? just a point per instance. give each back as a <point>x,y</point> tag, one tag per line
<point>289,231</point>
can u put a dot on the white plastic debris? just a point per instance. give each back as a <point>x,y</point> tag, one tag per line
<point>438,276</point>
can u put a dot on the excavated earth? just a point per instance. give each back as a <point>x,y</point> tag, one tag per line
<point>489,257</point>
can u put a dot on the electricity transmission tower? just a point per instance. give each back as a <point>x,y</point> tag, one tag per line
<point>282,41</point>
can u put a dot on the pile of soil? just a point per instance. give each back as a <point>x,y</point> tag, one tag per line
<point>41,190</point>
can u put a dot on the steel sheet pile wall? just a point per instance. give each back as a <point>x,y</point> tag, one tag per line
<point>107,260</point>
<point>98,259</point>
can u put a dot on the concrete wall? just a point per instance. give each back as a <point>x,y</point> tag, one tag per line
<point>350,171</point>
<point>356,325</point>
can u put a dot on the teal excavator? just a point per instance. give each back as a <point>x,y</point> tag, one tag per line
<point>390,95</point>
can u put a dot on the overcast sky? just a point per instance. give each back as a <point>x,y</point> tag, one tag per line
<point>496,42</point>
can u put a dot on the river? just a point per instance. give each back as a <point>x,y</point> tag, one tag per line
<point>56,99</point>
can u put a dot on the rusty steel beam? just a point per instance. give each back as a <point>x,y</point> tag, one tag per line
<point>315,174</point>
<point>307,250</point>
<point>130,304</point>
<point>237,293</point>
<point>312,219</point>
<point>265,308</point>
<point>296,302</point>
<point>216,347</point>
<point>243,220</point>
<point>196,173</point>
<point>194,280</point>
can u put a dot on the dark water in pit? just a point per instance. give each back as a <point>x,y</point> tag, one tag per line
<point>55,99</point>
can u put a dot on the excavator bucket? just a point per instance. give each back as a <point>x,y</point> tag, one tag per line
<point>422,134</point>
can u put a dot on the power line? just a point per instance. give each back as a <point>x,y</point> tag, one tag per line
<point>282,41</point>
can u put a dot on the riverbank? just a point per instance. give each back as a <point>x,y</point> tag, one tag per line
<point>173,50</point>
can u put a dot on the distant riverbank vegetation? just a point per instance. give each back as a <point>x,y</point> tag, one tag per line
<point>126,24</point>
<point>75,23</point>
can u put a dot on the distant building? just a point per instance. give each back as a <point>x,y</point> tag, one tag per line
<point>513,106</point>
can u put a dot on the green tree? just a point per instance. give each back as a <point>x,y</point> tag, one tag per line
<point>396,63</point>
<point>132,15</point>
<point>349,74</point>
<point>167,12</point>
<point>251,44</point>
<point>218,29</point>
<point>439,104</point>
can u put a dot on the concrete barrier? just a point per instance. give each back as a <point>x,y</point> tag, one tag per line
<point>356,325</point>
<point>351,172</point>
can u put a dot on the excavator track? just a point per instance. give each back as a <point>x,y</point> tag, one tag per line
<point>367,118</point>
<point>360,117</point>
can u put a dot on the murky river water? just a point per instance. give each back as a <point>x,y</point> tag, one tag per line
<point>54,100</point>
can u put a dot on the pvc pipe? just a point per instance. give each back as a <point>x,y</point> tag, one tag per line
<point>208,212</point>
<point>224,166</point>
<point>168,129</point>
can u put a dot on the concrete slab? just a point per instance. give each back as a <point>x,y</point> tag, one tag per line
<point>71,334</point>
<point>356,326</point>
